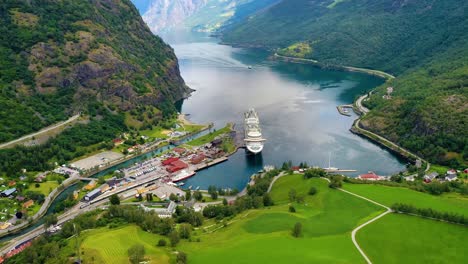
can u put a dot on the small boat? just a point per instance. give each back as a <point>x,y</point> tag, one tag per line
<point>198,188</point>
<point>182,184</point>
<point>249,67</point>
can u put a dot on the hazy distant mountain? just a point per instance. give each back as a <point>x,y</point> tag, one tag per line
<point>162,15</point>
<point>197,15</point>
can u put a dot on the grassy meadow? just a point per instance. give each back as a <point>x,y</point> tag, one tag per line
<point>448,202</point>
<point>327,218</point>
<point>398,238</point>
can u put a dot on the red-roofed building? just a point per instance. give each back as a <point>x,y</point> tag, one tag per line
<point>196,159</point>
<point>179,150</point>
<point>169,161</point>
<point>118,141</point>
<point>371,176</point>
<point>295,168</point>
<point>176,166</point>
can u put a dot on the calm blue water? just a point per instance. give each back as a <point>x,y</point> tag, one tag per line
<point>296,104</point>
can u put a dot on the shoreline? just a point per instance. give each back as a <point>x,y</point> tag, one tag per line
<point>377,73</point>
<point>361,110</point>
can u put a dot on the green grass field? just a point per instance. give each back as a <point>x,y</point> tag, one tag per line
<point>264,235</point>
<point>399,238</point>
<point>386,195</point>
<point>209,137</point>
<point>45,187</point>
<point>110,245</point>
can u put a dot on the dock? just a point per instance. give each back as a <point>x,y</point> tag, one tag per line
<point>342,109</point>
<point>338,170</point>
<point>209,164</point>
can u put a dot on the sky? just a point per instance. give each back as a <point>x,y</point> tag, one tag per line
<point>142,5</point>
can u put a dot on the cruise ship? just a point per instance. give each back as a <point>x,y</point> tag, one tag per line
<point>183,175</point>
<point>253,134</point>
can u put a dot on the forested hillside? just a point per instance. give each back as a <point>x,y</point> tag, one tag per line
<point>59,57</point>
<point>423,42</point>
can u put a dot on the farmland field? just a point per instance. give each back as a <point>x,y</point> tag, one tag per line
<point>386,195</point>
<point>398,238</point>
<point>110,245</point>
<point>264,235</point>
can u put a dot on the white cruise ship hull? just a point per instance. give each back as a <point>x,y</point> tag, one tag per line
<point>253,135</point>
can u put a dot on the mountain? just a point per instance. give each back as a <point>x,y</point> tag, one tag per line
<point>164,15</point>
<point>423,42</point>
<point>197,15</point>
<point>61,57</point>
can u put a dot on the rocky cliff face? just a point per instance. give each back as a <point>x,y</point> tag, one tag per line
<point>59,57</point>
<point>163,15</point>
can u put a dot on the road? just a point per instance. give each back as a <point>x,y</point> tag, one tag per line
<point>42,131</point>
<point>364,110</point>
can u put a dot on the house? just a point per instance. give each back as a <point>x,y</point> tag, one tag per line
<point>179,151</point>
<point>452,172</point>
<point>8,193</point>
<point>430,177</point>
<point>20,198</point>
<point>409,178</point>
<point>196,159</point>
<point>11,183</point>
<point>91,195</point>
<point>28,204</point>
<point>176,166</point>
<point>451,177</point>
<point>117,141</point>
<point>168,161</point>
<point>370,176</point>
<point>465,171</point>
<point>163,212</point>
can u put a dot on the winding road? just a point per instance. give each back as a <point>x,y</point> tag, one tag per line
<point>35,134</point>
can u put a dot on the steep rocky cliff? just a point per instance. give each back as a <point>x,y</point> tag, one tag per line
<point>59,57</point>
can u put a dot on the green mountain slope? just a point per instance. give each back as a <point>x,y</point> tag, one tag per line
<point>61,57</point>
<point>423,42</point>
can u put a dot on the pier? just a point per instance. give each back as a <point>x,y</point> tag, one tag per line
<point>343,109</point>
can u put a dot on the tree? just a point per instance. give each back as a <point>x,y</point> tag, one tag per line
<point>173,197</point>
<point>181,258</point>
<point>162,242</point>
<point>336,181</point>
<point>292,195</point>
<point>297,230</point>
<point>174,238</point>
<point>101,180</point>
<point>312,190</point>
<point>198,195</point>
<point>50,220</point>
<point>214,195</point>
<point>19,215</point>
<point>267,201</point>
<point>225,202</point>
<point>185,230</point>
<point>136,253</point>
<point>292,209</point>
<point>114,199</point>
<point>188,195</point>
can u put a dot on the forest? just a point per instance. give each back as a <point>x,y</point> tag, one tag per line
<point>57,57</point>
<point>424,43</point>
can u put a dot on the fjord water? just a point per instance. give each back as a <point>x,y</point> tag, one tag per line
<point>296,104</point>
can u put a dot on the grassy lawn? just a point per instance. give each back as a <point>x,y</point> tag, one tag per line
<point>399,238</point>
<point>45,187</point>
<point>210,137</point>
<point>386,195</point>
<point>264,235</point>
<point>106,245</point>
